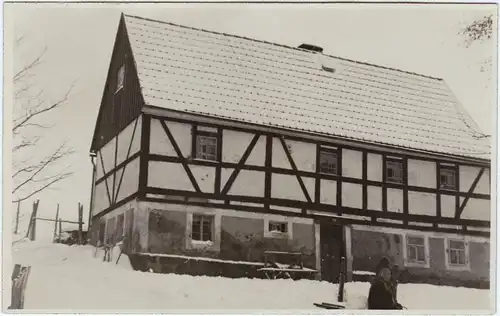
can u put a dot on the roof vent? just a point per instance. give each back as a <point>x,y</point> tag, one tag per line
<point>312,48</point>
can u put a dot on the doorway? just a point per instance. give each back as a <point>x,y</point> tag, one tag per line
<point>332,249</point>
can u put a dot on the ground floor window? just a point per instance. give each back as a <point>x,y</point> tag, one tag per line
<point>278,227</point>
<point>457,254</point>
<point>202,227</point>
<point>416,250</point>
<point>119,227</point>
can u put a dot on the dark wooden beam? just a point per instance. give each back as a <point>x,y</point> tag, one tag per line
<point>299,205</point>
<point>471,189</point>
<point>268,170</point>
<point>105,182</point>
<point>144,163</point>
<point>179,153</point>
<point>128,155</point>
<point>218,168</point>
<point>302,173</point>
<point>240,164</point>
<point>294,168</point>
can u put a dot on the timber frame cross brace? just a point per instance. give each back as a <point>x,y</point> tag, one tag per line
<point>294,168</point>
<point>471,189</point>
<point>179,154</point>
<point>240,165</point>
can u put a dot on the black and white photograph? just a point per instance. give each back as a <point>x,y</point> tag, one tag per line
<point>249,157</point>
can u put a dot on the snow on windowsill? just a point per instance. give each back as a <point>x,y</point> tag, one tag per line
<point>202,243</point>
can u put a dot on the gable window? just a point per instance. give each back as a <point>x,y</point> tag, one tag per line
<point>328,161</point>
<point>278,227</point>
<point>206,146</point>
<point>447,178</point>
<point>457,255</point>
<point>202,228</point>
<point>394,170</point>
<point>415,250</point>
<point>120,78</point>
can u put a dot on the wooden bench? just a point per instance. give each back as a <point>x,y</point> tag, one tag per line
<point>274,269</point>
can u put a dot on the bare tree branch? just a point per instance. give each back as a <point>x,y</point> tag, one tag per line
<point>32,173</point>
<point>27,68</point>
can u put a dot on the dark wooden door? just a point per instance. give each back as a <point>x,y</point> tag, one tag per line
<point>332,249</point>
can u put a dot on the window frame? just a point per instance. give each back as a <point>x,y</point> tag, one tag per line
<point>328,151</point>
<point>277,224</point>
<point>268,233</point>
<point>215,135</point>
<point>120,75</point>
<point>203,217</point>
<point>452,266</point>
<point>411,263</point>
<point>392,160</point>
<point>452,187</point>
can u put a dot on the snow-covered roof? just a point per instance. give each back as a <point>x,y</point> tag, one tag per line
<point>220,75</point>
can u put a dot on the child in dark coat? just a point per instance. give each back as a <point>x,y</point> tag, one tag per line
<point>383,292</point>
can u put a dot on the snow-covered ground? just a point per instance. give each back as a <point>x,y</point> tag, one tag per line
<point>68,278</point>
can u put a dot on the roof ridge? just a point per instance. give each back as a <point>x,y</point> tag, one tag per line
<point>281,45</point>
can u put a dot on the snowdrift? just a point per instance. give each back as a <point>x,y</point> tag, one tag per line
<point>70,278</point>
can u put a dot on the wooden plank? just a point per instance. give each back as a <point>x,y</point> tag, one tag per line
<point>329,306</point>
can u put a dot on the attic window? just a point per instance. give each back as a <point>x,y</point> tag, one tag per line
<point>120,78</point>
<point>329,69</point>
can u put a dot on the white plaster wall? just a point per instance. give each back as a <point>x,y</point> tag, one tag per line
<point>225,173</point>
<point>374,167</point>
<point>108,155</point>
<point>328,192</point>
<point>279,158</point>
<point>286,187</point>
<point>447,205</point>
<point>352,163</point>
<point>477,209</point>
<point>129,138</point>
<point>234,144</point>
<point>101,200</point>
<point>374,198</point>
<point>248,183</point>
<point>258,155</point>
<point>352,195</point>
<point>422,173</point>
<point>421,203</point>
<point>205,177</point>
<point>99,171</point>
<point>182,134</point>
<point>483,186</point>
<point>130,182</point>
<point>303,154</point>
<point>467,176</point>
<point>159,143</point>
<point>168,175</point>
<point>395,200</point>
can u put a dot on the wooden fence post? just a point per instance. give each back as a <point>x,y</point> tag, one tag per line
<point>17,217</point>
<point>80,224</point>
<point>60,228</point>
<point>19,281</point>
<point>33,227</point>
<point>31,233</point>
<point>341,280</point>
<point>55,223</point>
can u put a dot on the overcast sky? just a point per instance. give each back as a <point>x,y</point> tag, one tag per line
<point>80,37</point>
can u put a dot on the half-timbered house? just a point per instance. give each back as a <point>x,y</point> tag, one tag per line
<point>218,146</point>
